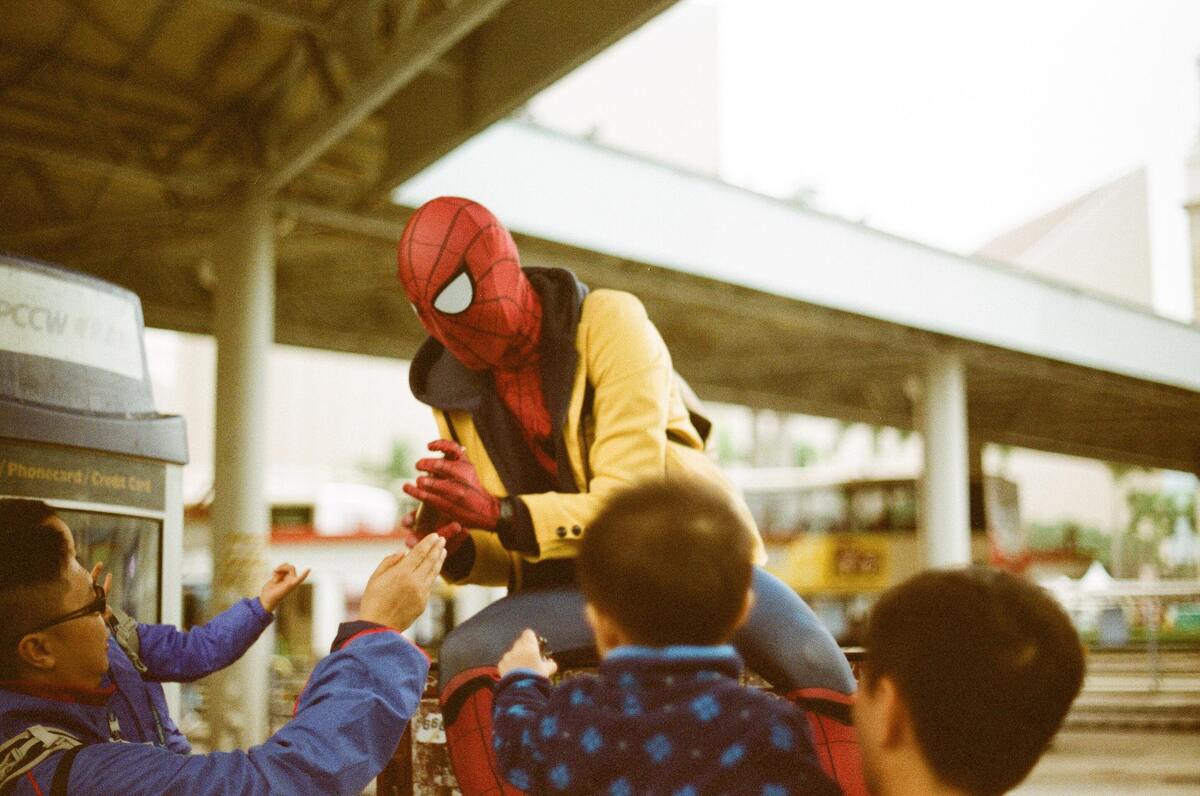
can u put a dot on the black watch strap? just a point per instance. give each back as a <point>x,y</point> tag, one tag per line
<point>515,527</point>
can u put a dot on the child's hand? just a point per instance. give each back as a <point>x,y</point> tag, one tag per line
<point>96,570</point>
<point>283,582</point>
<point>526,653</point>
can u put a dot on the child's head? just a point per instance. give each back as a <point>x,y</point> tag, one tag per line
<point>53,628</point>
<point>668,563</point>
<point>976,668</point>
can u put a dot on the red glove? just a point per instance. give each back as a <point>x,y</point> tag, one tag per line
<point>452,532</point>
<point>452,487</point>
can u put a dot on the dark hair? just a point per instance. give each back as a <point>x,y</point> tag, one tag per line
<point>35,559</point>
<point>987,665</point>
<point>669,562</point>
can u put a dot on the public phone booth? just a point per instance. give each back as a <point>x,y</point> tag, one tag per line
<point>79,430</point>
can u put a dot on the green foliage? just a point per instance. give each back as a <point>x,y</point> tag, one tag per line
<point>803,454</point>
<point>1152,518</point>
<point>397,466</point>
<point>727,452</point>
<point>1086,541</point>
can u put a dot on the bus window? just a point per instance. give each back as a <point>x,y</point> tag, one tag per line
<point>902,507</point>
<point>822,509</point>
<point>883,507</point>
<point>869,508</point>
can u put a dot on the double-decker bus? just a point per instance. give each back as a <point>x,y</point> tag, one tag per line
<point>839,538</point>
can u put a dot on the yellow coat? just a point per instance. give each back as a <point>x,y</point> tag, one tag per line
<point>638,428</point>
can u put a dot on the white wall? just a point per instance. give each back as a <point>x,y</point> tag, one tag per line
<point>329,412</point>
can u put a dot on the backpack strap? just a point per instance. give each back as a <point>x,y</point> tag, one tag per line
<point>28,749</point>
<point>62,774</point>
<point>125,632</point>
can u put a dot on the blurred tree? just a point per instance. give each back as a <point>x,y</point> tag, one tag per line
<point>727,452</point>
<point>398,466</point>
<point>1152,518</point>
<point>803,453</point>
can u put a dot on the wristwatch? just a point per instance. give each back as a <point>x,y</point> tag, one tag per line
<point>507,514</point>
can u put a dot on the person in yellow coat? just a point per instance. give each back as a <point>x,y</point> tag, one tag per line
<point>549,398</point>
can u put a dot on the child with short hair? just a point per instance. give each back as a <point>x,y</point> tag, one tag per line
<point>970,674</point>
<point>666,571</point>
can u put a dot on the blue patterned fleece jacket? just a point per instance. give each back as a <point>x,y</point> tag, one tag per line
<point>672,721</point>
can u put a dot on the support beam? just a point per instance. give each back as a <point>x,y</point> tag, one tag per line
<point>283,15</point>
<point>945,491</point>
<point>373,227</point>
<point>403,62</point>
<point>207,180</point>
<point>244,328</point>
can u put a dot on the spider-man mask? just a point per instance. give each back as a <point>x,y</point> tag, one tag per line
<point>460,269</point>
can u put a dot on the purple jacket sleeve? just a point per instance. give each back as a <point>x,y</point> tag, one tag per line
<point>175,656</point>
<point>347,725</point>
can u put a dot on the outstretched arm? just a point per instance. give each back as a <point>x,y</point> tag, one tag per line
<point>174,655</point>
<point>350,719</point>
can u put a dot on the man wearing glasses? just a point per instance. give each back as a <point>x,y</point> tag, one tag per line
<point>139,657</point>
<point>66,695</point>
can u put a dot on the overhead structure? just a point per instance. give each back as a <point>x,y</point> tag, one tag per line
<point>155,143</point>
<point>136,132</point>
<point>131,126</point>
<point>779,306</point>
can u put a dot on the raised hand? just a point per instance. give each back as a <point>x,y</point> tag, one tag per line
<point>96,570</point>
<point>399,588</point>
<point>452,487</point>
<point>452,532</point>
<point>526,653</point>
<point>283,582</point>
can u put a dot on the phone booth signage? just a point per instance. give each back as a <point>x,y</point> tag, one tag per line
<point>79,430</point>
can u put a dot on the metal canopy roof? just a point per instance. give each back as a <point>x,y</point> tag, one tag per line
<point>776,305</point>
<point>130,128</point>
<point>126,121</point>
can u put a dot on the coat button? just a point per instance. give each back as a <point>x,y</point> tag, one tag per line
<point>575,529</point>
<point>561,531</point>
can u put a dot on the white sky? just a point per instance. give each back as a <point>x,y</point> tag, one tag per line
<point>949,122</point>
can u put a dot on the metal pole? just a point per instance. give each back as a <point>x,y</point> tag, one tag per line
<point>945,489</point>
<point>244,325</point>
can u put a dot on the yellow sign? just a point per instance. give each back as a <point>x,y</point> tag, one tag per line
<point>839,563</point>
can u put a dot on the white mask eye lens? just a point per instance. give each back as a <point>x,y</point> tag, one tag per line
<point>416,311</point>
<point>456,296</point>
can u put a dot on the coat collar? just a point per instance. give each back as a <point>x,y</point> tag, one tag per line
<point>721,659</point>
<point>65,694</point>
<point>84,713</point>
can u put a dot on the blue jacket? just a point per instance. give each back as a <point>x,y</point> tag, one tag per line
<point>348,722</point>
<point>173,656</point>
<point>672,720</point>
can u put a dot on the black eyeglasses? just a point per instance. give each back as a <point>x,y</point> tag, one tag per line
<point>99,605</point>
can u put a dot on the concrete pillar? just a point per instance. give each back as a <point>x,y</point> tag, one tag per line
<point>1192,205</point>
<point>244,325</point>
<point>945,493</point>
